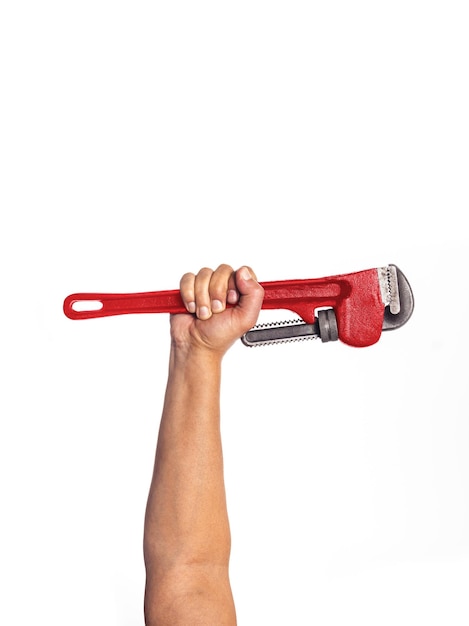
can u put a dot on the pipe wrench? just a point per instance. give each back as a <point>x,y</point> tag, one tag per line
<point>353,308</point>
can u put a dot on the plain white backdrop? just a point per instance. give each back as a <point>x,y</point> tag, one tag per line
<point>141,140</point>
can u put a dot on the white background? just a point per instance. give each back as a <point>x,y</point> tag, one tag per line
<point>140,140</point>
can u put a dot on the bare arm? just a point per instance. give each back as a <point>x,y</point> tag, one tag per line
<point>187,534</point>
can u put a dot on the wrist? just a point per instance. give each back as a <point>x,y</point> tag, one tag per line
<point>197,356</point>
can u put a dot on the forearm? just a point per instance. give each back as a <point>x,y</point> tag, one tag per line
<point>187,535</point>
<point>186,519</point>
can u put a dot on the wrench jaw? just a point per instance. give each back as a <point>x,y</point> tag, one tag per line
<point>392,320</point>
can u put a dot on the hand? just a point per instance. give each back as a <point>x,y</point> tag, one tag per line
<point>211,324</point>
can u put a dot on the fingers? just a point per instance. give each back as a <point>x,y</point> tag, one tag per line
<point>202,295</point>
<point>186,286</point>
<point>222,288</point>
<point>209,291</point>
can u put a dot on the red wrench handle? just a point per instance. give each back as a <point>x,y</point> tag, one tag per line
<point>107,304</point>
<point>356,299</point>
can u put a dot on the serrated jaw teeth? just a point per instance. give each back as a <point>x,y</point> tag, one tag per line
<point>389,287</point>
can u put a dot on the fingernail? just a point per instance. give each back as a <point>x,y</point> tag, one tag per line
<point>191,307</point>
<point>217,305</point>
<point>245,273</point>
<point>203,313</point>
<point>232,296</point>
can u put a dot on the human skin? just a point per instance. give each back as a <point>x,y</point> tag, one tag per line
<point>187,539</point>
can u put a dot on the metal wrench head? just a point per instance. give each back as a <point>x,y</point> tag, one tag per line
<point>395,317</point>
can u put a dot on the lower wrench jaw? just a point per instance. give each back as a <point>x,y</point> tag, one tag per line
<point>325,328</point>
<point>279,333</point>
<point>392,321</point>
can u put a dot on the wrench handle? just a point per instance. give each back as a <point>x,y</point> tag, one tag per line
<point>300,296</point>
<point>80,306</point>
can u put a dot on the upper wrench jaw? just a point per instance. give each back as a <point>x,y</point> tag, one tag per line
<point>396,315</point>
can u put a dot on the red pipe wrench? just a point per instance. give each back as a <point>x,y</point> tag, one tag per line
<point>354,307</point>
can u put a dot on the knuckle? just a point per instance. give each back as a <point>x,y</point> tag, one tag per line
<point>201,285</point>
<point>187,277</point>
<point>187,281</point>
<point>204,272</point>
<point>219,285</point>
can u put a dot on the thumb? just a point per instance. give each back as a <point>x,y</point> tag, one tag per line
<point>251,296</point>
